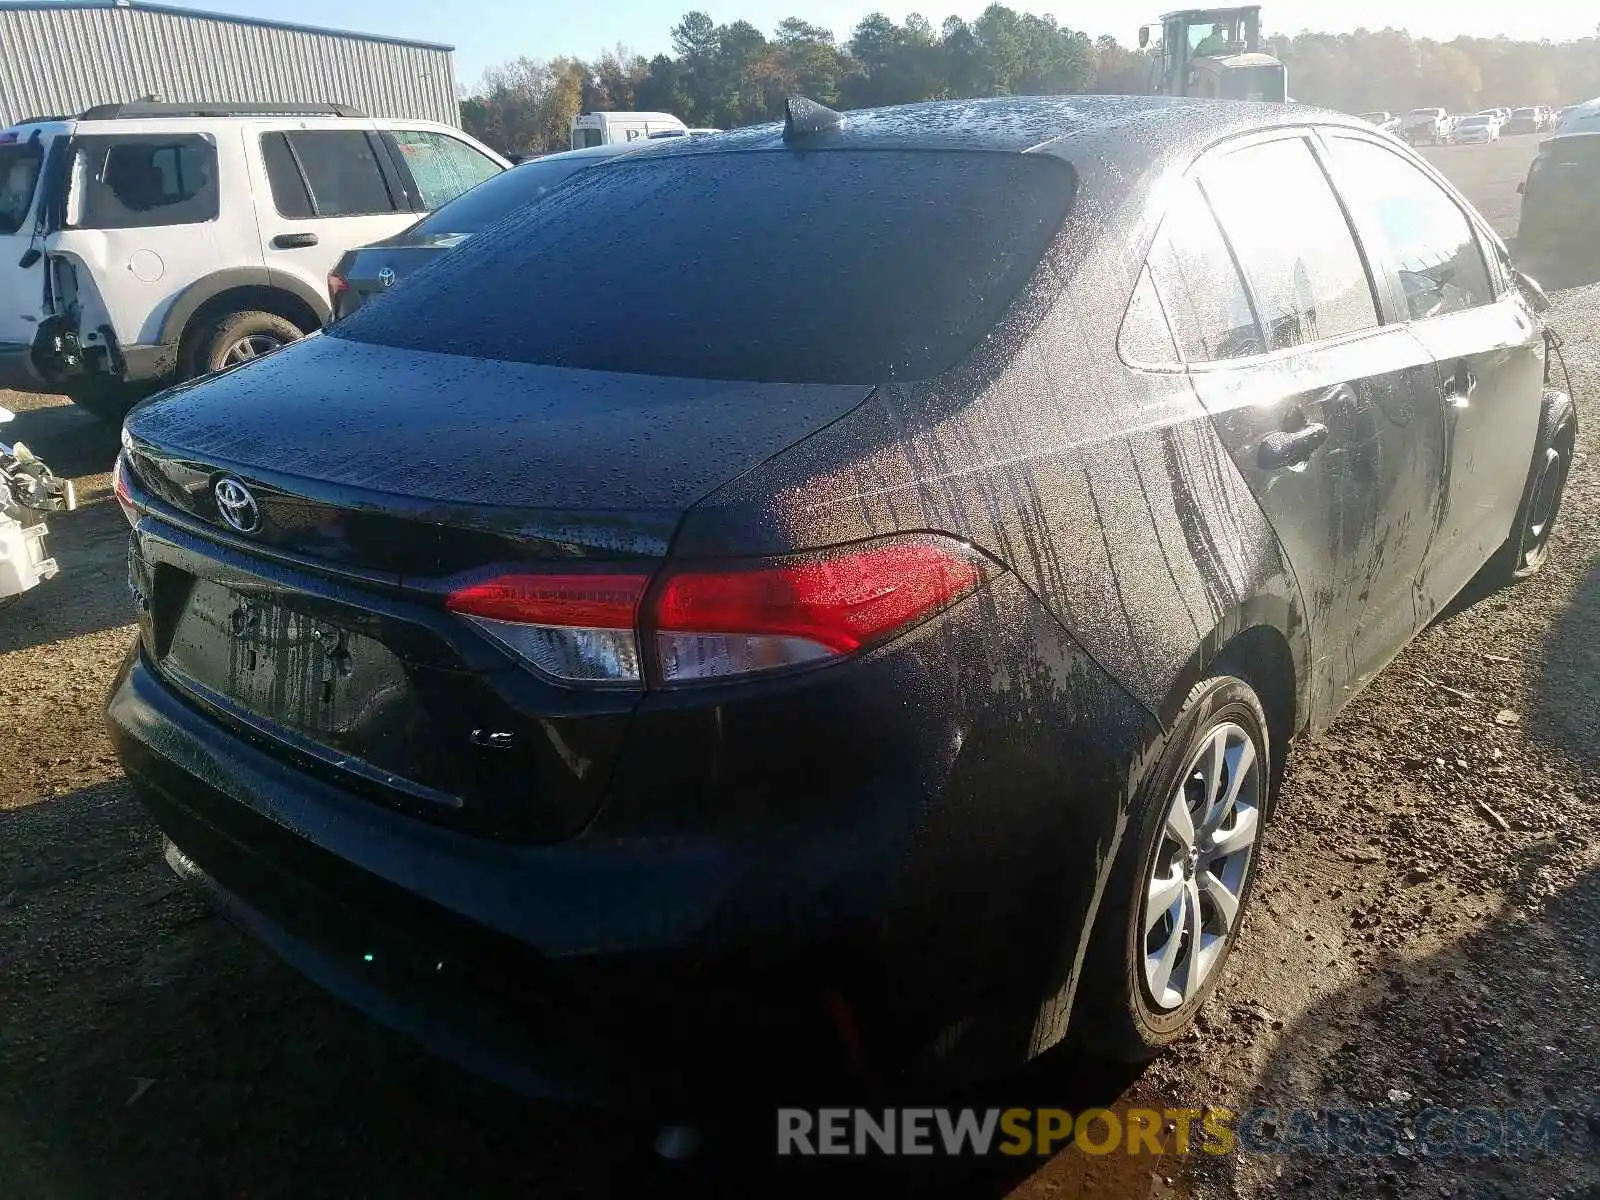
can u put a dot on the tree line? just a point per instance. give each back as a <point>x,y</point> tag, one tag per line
<point>724,76</point>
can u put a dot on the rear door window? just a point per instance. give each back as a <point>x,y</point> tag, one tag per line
<point>139,182</point>
<point>443,167</point>
<point>509,190</point>
<point>326,173</point>
<point>1430,242</point>
<point>1292,242</point>
<point>1199,286</point>
<point>833,266</point>
<point>19,175</point>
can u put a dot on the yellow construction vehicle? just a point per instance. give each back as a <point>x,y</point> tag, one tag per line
<point>1215,52</point>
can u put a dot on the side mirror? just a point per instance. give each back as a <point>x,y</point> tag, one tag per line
<point>1531,291</point>
<point>1144,36</point>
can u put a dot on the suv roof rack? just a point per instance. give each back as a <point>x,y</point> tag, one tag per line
<point>41,120</point>
<point>146,108</point>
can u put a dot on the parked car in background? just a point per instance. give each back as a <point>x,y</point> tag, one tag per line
<point>1561,207</point>
<point>605,128</point>
<point>1482,127</point>
<point>372,270</point>
<point>1424,126</point>
<point>1385,121</point>
<point>634,665</point>
<point>1580,118</point>
<point>144,244</point>
<point>672,133</point>
<point>1525,120</point>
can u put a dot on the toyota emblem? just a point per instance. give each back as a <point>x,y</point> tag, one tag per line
<point>236,505</point>
<point>386,277</point>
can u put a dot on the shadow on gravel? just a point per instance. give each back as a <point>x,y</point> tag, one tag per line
<point>89,594</point>
<point>1567,689</point>
<point>148,1048</point>
<point>66,437</point>
<point>1501,1022</point>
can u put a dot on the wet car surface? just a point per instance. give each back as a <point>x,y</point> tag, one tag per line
<point>806,654</point>
<point>369,271</point>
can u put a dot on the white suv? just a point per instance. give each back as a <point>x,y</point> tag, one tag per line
<point>143,244</point>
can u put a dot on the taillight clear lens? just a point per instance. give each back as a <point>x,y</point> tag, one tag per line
<point>790,612</point>
<point>124,493</point>
<point>714,622</point>
<point>580,628</point>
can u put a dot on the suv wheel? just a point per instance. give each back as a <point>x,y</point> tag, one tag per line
<point>238,338</point>
<point>1182,878</point>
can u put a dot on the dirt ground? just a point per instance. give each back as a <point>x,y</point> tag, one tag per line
<point>1426,934</point>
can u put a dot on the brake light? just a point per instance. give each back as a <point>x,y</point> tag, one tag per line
<point>123,490</point>
<point>336,285</point>
<point>718,621</point>
<point>574,627</point>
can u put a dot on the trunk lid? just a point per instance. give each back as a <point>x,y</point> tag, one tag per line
<point>415,465</point>
<point>373,270</point>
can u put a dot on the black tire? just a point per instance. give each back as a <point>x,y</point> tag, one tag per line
<point>214,344</point>
<point>1118,1017</point>
<point>1525,551</point>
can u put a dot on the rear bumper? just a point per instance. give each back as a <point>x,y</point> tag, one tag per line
<point>634,1032</point>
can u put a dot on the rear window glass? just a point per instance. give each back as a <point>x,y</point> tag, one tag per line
<point>488,202</point>
<point>835,266</point>
<point>137,182</point>
<point>19,172</point>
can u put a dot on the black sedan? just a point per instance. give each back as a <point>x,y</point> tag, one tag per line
<point>861,627</point>
<point>369,271</point>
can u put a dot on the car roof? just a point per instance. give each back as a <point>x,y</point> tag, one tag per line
<point>609,150</point>
<point>1136,129</point>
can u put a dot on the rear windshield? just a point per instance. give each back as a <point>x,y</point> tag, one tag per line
<point>19,172</point>
<point>1525,112</point>
<point>495,197</point>
<point>783,266</point>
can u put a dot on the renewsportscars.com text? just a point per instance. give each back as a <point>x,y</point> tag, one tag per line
<point>957,1132</point>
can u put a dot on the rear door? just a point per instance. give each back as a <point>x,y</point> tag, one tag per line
<point>1487,344</point>
<point>1330,414</point>
<point>145,218</point>
<point>324,189</point>
<point>21,287</point>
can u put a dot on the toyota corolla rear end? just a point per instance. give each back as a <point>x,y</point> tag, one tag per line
<point>430,695</point>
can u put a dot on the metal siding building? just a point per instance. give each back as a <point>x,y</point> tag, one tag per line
<point>59,59</point>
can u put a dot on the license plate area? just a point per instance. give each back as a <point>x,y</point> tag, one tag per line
<point>303,677</point>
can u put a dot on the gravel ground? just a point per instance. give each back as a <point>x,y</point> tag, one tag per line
<point>1426,933</point>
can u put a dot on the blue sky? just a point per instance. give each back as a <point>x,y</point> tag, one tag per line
<point>486,32</point>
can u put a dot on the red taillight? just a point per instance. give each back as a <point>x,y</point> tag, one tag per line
<point>573,627</point>
<point>336,284</point>
<point>122,489</point>
<point>593,601</point>
<point>718,621</point>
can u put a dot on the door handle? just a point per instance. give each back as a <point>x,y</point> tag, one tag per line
<point>294,241</point>
<point>1459,388</point>
<point>1280,450</point>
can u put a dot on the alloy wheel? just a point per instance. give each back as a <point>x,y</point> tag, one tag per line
<point>1200,869</point>
<point>251,346</point>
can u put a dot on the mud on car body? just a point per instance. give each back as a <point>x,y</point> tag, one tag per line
<point>852,631</point>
